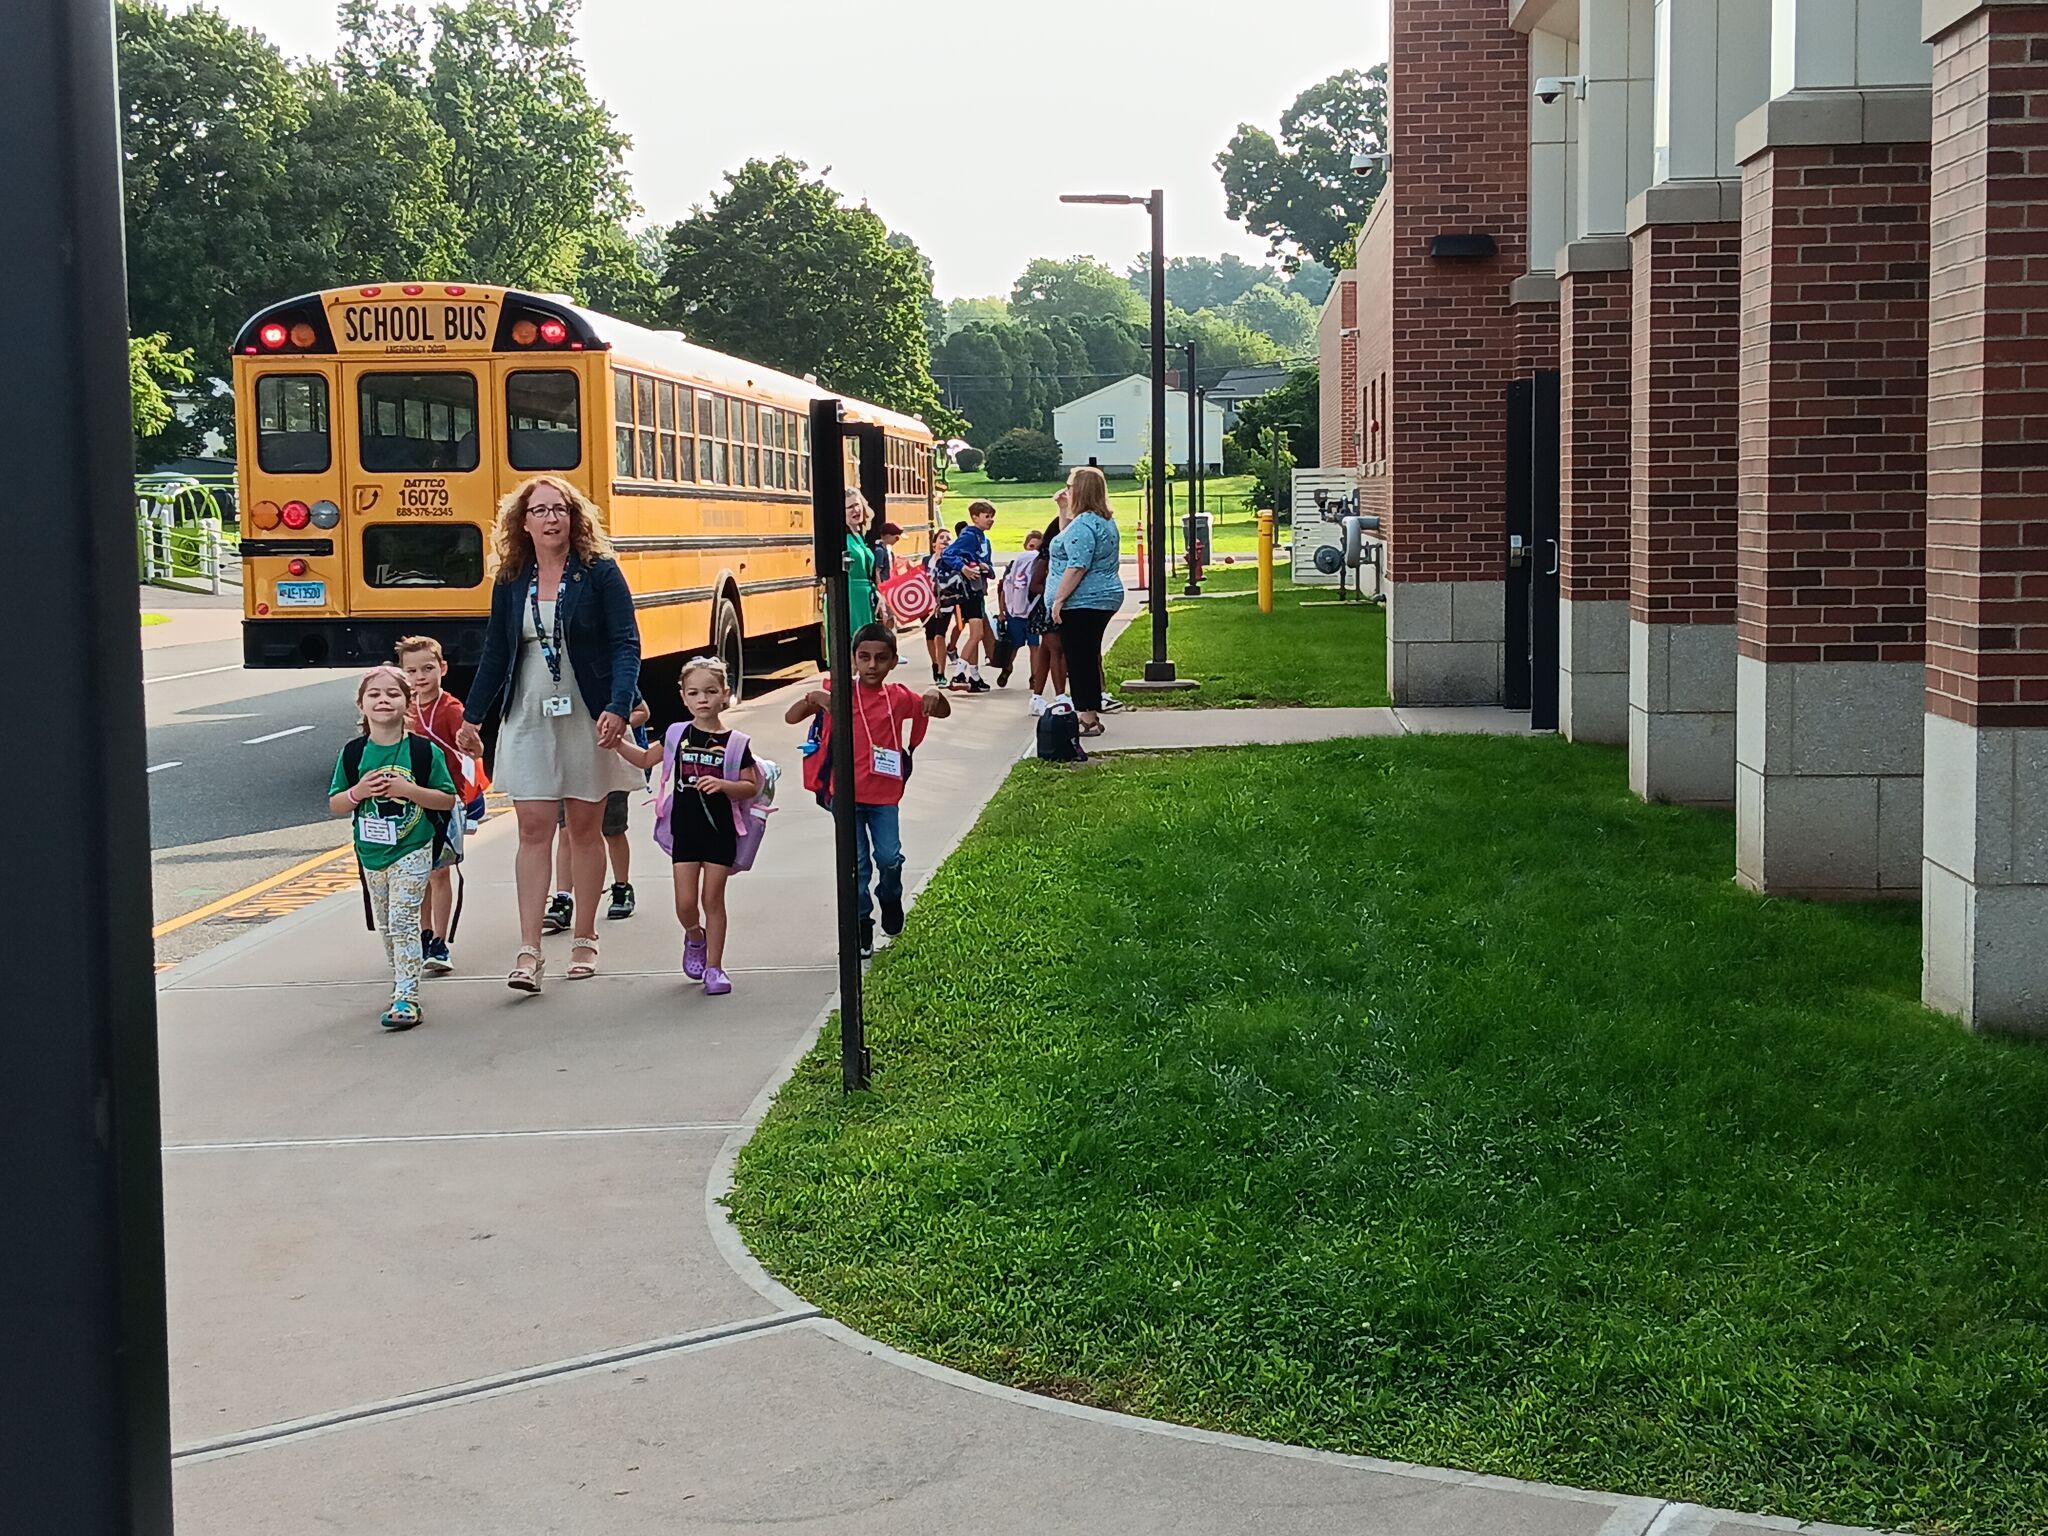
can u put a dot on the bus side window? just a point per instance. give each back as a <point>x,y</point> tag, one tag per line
<point>291,424</point>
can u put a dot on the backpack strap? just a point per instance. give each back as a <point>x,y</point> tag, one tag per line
<point>423,775</point>
<point>736,744</point>
<point>352,758</point>
<point>671,739</point>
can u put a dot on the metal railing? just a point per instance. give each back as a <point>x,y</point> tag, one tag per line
<point>181,538</point>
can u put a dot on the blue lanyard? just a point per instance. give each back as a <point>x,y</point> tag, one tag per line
<point>550,650</point>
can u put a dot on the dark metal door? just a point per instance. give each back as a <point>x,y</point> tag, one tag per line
<point>1530,681</point>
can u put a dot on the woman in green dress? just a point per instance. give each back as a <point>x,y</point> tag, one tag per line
<point>860,571</point>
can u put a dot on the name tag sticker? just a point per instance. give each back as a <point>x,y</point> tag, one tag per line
<point>888,762</point>
<point>375,829</point>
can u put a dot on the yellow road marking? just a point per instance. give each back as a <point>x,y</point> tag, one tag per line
<point>235,898</point>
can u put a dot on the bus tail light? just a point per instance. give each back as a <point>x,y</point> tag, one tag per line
<point>524,333</point>
<point>296,514</point>
<point>266,515</point>
<point>262,608</point>
<point>553,332</point>
<point>273,335</point>
<point>303,335</point>
<point>296,567</point>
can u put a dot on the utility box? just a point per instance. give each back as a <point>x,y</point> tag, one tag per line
<point>1195,531</point>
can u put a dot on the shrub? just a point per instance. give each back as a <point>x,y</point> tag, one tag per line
<point>1021,454</point>
<point>1235,460</point>
<point>968,460</point>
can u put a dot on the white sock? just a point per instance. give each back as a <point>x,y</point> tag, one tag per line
<point>974,671</point>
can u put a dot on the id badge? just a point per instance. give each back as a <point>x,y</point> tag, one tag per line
<point>375,829</point>
<point>888,762</point>
<point>555,707</point>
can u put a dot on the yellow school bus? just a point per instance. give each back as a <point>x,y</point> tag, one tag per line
<point>378,425</point>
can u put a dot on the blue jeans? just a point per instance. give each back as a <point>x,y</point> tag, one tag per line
<point>878,841</point>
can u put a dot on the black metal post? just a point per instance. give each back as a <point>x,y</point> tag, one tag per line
<point>1158,669</point>
<point>828,531</point>
<point>86,1444</point>
<point>1194,586</point>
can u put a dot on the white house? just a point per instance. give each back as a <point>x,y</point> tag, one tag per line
<point>1113,426</point>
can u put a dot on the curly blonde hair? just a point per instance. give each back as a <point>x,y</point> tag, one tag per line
<point>514,545</point>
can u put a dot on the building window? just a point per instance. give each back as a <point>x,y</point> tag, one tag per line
<point>1105,429</point>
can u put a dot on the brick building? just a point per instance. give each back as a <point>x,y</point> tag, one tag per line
<point>1782,266</point>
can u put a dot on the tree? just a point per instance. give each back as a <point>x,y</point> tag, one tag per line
<point>156,370</point>
<point>968,460</point>
<point>932,306</point>
<point>1313,281</point>
<point>1284,318</point>
<point>1220,341</point>
<point>1295,407</point>
<point>978,373</point>
<point>1022,454</point>
<point>1196,282</point>
<point>617,275</point>
<point>779,269</point>
<point>993,310</point>
<point>1079,288</point>
<point>1299,190</point>
<point>1272,469</point>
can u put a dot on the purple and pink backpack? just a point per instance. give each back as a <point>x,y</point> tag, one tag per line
<point>749,817</point>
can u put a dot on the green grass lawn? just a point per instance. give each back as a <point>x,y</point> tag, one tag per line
<point>1308,650</point>
<point>1022,506</point>
<point>1436,1099</point>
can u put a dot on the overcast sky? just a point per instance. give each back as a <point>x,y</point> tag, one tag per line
<point>959,123</point>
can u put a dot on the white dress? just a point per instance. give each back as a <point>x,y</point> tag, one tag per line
<point>552,757</point>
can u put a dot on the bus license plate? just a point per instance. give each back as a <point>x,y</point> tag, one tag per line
<point>302,594</point>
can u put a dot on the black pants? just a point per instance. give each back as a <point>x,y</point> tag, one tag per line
<point>1081,633</point>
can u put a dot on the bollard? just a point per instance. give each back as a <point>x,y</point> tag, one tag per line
<point>1266,562</point>
<point>1143,568</point>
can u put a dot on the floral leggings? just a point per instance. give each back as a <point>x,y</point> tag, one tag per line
<point>396,892</point>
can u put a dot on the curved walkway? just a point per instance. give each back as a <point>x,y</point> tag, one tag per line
<point>476,1278</point>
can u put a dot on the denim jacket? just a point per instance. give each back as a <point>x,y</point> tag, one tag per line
<point>602,635</point>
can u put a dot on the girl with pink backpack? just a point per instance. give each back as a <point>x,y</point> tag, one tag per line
<point>709,815</point>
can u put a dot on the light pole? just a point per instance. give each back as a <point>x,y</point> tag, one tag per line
<point>1158,671</point>
<point>1194,492</point>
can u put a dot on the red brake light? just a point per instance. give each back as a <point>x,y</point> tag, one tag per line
<point>553,332</point>
<point>263,607</point>
<point>296,567</point>
<point>273,335</point>
<point>297,514</point>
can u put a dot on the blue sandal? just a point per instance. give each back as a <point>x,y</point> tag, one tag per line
<point>402,1014</point>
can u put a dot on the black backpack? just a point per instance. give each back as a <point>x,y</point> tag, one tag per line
<point>1059,737</point>
<point>422,771</point>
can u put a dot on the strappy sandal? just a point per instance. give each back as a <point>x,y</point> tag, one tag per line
<point>524,977</point>
<point>1092,730</point>
<point>582,970</point>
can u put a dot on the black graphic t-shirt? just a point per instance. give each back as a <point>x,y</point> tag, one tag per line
<point>702,824</point>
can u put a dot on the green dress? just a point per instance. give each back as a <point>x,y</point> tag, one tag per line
<point>860,587</point>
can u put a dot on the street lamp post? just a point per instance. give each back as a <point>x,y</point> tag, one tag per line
<point>1194,494</point>
<point>1159,672</point>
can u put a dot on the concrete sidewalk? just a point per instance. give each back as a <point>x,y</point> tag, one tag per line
<point>474,1279</point>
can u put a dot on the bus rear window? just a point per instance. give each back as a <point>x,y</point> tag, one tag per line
<point>411,423</point>
<point>543,419</point>
<point>423,554</point>
<point>291,424</point>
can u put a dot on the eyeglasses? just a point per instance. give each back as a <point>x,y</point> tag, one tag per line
<point>549,514</point>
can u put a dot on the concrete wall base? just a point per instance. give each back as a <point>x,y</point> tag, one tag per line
<point>1446,641</point>
<point>1681,712</point>
<point>1592,670</point>
<point>1827,777</point>
<point>1984,886</point>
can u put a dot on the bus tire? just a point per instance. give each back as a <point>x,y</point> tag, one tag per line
<point>729,642</point>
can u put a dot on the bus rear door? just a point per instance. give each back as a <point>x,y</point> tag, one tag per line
<point>294,557</point>
<point>421,445</point>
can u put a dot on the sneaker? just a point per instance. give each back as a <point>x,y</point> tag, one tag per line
<point>716,982</point>
<point>403,1013</point>
<point>622,900</point>
<point>1110,704</point>
<point>892,915</point>
<point>1063,701</point>
<point>694,951</point>
<point>938,674</point>
<point>1038,704</point>
<point>435,958</point>
<point>977,685</point>
<point>1003,674</point>
<point>867,938</point>
<point>958,683</point>
<point>561,909</point>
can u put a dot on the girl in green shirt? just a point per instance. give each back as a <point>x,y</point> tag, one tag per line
<point>392,785</point>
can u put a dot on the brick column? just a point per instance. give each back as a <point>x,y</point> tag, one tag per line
<point>1831,605</point>
<point>1458,114</point>
<point>1686,301</point>
<point>1984,900</point>
<point>1593,490</point>
<point>1348,416</point>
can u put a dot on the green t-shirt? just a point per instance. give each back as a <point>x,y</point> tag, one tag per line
<point>409,825</point>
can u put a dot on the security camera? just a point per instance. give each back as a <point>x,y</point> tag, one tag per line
<point>1550,87</point>
<point>1365,161</point>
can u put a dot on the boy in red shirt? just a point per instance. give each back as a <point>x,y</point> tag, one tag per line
<point>881,764</point>
<point>437,715</point>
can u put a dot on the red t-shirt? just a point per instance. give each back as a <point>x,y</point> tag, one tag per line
<point>879,718</point>
<point>439,724</point>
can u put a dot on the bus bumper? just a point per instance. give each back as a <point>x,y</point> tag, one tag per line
<point>270,643</point>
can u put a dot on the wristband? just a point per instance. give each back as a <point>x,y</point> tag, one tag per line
<point>353,797</point>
